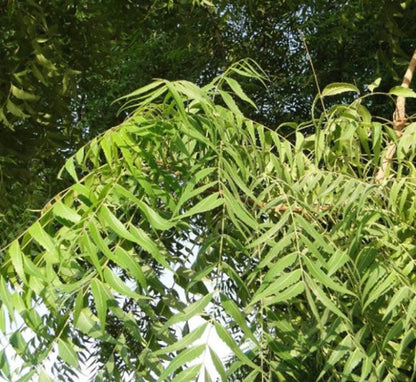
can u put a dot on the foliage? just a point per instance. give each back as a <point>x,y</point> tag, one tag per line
<point>285,247</point>
<point>64,62</point>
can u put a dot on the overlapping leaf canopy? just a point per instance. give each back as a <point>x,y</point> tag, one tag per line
<point>64,62</point>
<point>285,247</point>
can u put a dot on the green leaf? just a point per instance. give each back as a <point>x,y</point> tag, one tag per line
<point>236,207</point>
<point>406,341</point>
<point>338,88</point>
<point>398,297</point>
<point>23,95</point>
<point>325,300</point>
<point>394,333</point>
<point>79,156</point>
<point>238,90</point>
<point>67,353</point>
<point>276,249</point>
<point>287,294</point>
<point>98,240</point>
<point>374,85</point>
<point>78,305</point>
<point>141,238</point>
<point>276,286</point>
<point>15,110</point>
<point>380,289</point>
<point>323,278</point>
<point>86,321</point>
<point>400,91</point>
<point>92,252</point>
<point>100,301</point>
<point>17,260</point>
<point>229,341</point>
<point>229,101</point>
<point>189,374</point>
<point>233,176</point>
<point>337,260</point>
<point>340,351</point>
<point>18,343</point>
<point>118,285</point>
<point>28,377</point>
<point>252,377</point>
<point>106,145</point>
<point>189,192</point>
<point>195,309</point>
<point>70,168</point>
<point>179,102</point>
<point>89,325</point>
<point>5,120</point>
<point>209,203</point>
<point>310,229</point>
<point>353,360</point>
<point>218,364</point>
<point>127,262</point>
<point>411,311</point>
<point>270,233</point>
<point>279,266</point>
<point>237,315</point>
<point>184,342</point>
<point>5,295</point>
<point>18,303</point>
<point>152,216</point>
<point>116,225</point>
<point>44,377</point>
<point>2,327</point>
<point>194,133</point>
<point>142,90</point>
<point>184,357</point>
<point>38,233</point>
<point>61,210</point>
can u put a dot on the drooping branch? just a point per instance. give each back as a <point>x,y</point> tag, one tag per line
<point>399,120</point>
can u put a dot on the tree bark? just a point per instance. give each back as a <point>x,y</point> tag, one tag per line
<point>399,121</point>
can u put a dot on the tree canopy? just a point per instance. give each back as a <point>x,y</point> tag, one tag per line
<point>288,248</point>
<point>284,221</point>
<point>64,63</point>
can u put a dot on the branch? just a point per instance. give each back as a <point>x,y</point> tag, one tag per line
<point>399,121</point>
<point>400,113</point>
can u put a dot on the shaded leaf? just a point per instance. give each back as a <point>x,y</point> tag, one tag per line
<point>400,91</point>
<point>67,352</point>
<point>338,88</point>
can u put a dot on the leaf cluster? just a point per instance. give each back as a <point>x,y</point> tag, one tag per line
<point>285,247</point>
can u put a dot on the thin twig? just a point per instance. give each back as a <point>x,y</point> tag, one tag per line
<point>302,37</point>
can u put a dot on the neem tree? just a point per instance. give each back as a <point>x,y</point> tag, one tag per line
<point>295,250</point>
